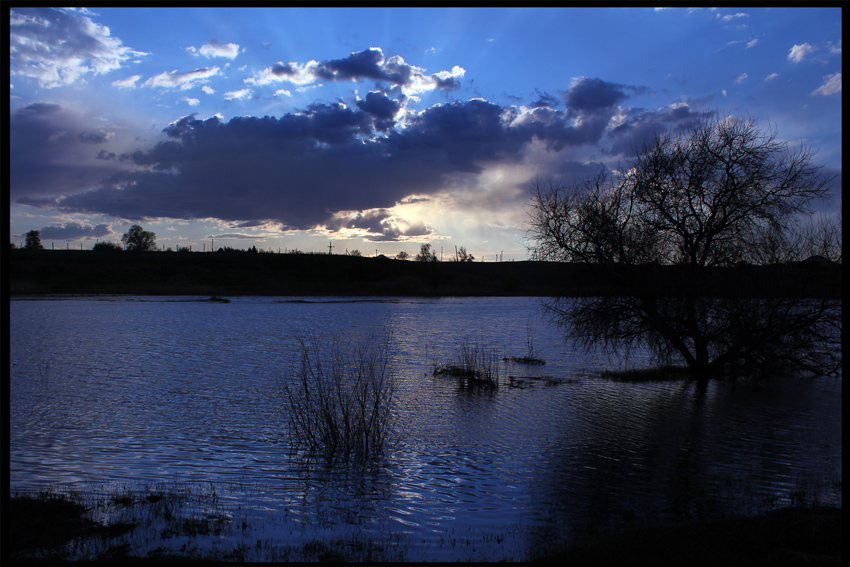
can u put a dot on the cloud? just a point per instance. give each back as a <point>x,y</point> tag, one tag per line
<point>731,17</point>
<point>321,166</point>
<point>57,47</point>
<point>376,225</point>
<point>752,43</point>
<point>237,95</point>
<point>799,52</point>
<point>128,83</point>
<point>740,77</point>
<point>641,127</point>
<point>74,231</point>
<point>57,151</point>
<point>192,101</point>
<point>369,64</point>
<point>770,77</point>
<point>216,49</point>
<point>831,85</point>
<point>292,169</point>
<point>183,81</point>
<point>592,94</point>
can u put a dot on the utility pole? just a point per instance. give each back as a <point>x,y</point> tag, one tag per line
<point>330,247</point>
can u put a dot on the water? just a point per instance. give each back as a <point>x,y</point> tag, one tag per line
<point>113,391</point>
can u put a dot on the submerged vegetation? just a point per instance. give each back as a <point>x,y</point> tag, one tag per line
<point>165,524</point>
<point>339,398</point>
<point>475,366</point>
<point>184,523</point>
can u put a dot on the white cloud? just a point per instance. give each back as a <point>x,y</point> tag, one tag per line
<point>216,49</point>
<point>128,83</point>
<point>294,73</point>
<point>283,92</point>
<point>173,79</point>
<point>740,77</point>
<point>752,43</point>
<point>729,17</point>
<point>799,52</point>
<point>59,47</point>
<point>192,101</point>
<point>208,89</point>
<point>238,95</point>
<point>770,77</point>
<point>834,48</point>
<point>831,85</point>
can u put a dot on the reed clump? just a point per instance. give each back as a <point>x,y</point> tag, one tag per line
<point>339,397</point>
<point>475,366</point>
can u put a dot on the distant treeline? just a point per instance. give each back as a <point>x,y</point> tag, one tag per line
<point>151,273</point>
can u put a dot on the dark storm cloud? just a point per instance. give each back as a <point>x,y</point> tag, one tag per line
<point>74,231</point>
<point>632,135</point>
<point>54,151</point>
<point>364,65</point>
<point>301,168</point>
<point>594,94</point>
<point>381,107</point>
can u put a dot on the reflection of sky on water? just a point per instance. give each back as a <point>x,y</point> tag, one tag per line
<point>116,392</point>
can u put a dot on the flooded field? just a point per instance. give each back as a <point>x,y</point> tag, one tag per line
<point>124,398</point>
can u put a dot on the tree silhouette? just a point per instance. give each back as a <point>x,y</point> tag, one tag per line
<point>106,247</point>
<point>33,241</point>
<point>139,240</point>
<point>461,255</point>
<point>711,197</point>
<point>426,254</point>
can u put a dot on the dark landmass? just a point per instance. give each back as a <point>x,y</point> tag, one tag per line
<point>790,536</point>
<point>221,274</point>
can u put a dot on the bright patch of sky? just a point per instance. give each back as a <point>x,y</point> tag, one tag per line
<point>377,128</point>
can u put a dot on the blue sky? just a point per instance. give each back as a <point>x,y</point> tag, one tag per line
<point>377,128</point>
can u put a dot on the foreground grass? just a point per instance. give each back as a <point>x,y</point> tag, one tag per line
<point>797,536</point>
<point>51,527</point>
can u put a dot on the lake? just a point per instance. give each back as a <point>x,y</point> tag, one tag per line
<point>134,391</point>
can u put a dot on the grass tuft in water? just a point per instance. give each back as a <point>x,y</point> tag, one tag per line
<point>475,366</point>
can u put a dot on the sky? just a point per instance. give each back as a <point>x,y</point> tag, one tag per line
<point>378,129</point>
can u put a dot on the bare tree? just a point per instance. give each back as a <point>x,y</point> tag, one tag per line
<point>722,193</point>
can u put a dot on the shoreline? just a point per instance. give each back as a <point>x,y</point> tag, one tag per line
<point>84,272</point>
<point>796,534</point>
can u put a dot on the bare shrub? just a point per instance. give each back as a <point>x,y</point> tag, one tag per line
<point>340,396</point>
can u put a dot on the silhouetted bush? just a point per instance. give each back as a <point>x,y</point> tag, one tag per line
<point>106,247</point>
<point>339,398</point>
